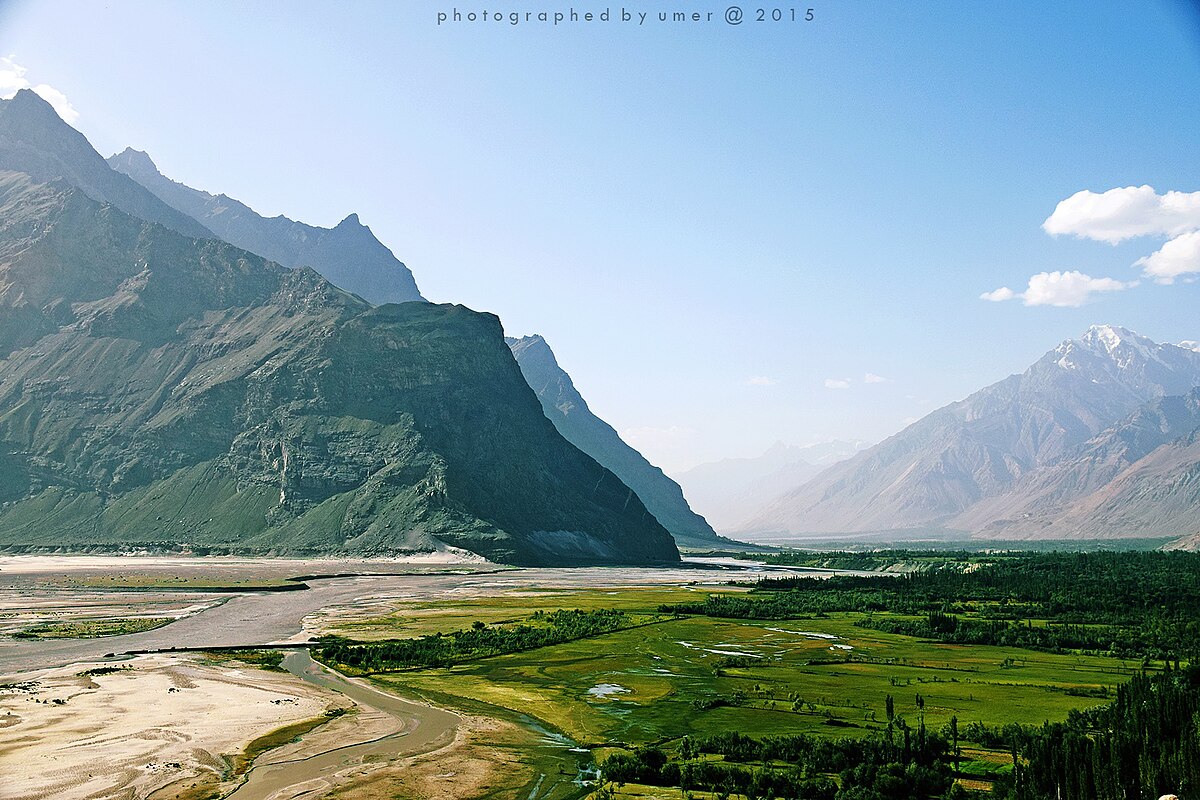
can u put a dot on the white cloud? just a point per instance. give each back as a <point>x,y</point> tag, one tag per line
<point>1068,289</point>
<point>761,380</point>
<point>12,77</point>
<point>1179,256</point>
<point>12,80</point>
<point>998,295</point>
<point>871,377</point>
<point>1062,289</point>
<point>837,383</point>
<point>1120,214</point>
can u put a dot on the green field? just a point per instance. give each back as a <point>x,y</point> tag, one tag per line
<point>669,676</point>
<point>92,628</point>
<point>781,682</point>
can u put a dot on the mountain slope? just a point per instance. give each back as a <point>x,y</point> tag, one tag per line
<point>162,390</point>
<point>1158,495</point>
<point>569,412</point>
<point>731,491</point>
<point>348,255</point>
<point>944,464</point>
<point>1055,497</point>
<point>35,140</point>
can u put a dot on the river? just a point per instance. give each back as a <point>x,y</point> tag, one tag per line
<point>256,618</point>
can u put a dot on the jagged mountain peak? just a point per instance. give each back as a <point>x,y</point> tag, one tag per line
<point>35,141</point>
<point>532,341</point>
<point>349,255</point>
<point>1111,339</point>
<point>33,106</point>
<point>1121,347</point>
<point>132,160</point>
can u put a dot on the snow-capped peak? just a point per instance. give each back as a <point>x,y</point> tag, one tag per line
<point>1120,345</point>
<point>1190,345</point>
<point>1111,337</point>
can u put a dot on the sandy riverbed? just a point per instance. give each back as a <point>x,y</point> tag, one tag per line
<point>163,721</point>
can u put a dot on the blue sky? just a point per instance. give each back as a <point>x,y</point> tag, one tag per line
<point>710,224</point>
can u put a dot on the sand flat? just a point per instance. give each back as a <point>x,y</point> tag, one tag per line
<point>127,733</point>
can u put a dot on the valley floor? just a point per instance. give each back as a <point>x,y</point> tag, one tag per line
<point>268,722</point>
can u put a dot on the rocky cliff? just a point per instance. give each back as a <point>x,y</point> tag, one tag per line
<point>163,390</point>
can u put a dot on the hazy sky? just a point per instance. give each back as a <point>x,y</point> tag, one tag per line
<point>730,235</point>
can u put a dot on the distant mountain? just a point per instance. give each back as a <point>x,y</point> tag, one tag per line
<point>948,469</point>
<point>35,141</point>
<point>348,255</point>
<point>569,412</point>
<point>1084,495</point>
<point>1159,495</point>
<point>731,491</point>
<point>161,390</point>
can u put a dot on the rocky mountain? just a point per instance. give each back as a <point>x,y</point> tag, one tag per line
<point>1064,499</point>
<point>731,491</point>
<point>348,255</point>
<point>1159,495</point>
<point>947,469</point>
<point>569,412</point>
<point>162,390</point>
<point>34,140</point>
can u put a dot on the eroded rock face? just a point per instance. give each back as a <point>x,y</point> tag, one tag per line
<point>162,390</point>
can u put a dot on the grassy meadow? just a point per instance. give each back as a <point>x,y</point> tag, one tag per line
<point>665,677</point>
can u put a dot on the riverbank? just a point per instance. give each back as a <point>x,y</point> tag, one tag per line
<point>91,730</point>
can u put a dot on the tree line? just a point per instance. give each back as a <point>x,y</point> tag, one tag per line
<point>1144,744</point>
<point>1132,604</point>
<point>478,641</point>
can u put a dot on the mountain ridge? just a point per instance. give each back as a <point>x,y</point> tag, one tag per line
<point>35,141</point>
<point>348,254</point>
<point>566,408</point>
<point>161,390</point>
<point>938,468</point>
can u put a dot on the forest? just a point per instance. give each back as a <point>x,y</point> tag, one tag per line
<point>478,641</point>
<point>1144,744</point>
<point>1129,604</point>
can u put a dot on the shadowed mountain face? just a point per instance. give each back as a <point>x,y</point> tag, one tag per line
<point>157,389</point>
<point>34,140</point>
<point>569,412</point>
<point>949,468</point>
<point>348,255</point>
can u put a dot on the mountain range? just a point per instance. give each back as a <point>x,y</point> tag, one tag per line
<point>1097,439</point>
<point>161,387</point>
<point>348,255</point>
<point>731,491</point>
